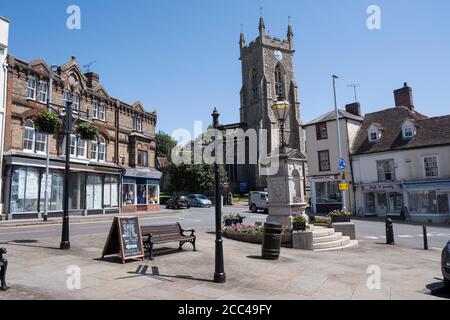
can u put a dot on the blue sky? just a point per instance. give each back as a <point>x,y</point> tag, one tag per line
<point>181,57</point>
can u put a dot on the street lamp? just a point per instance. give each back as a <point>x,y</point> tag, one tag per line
<point>341,162</point>
<point>281,110</point>
<point>219,274</point>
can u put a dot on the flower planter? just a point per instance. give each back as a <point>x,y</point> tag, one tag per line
<point>299,226</point>
<point>339,219</point>
<point>46,122</point>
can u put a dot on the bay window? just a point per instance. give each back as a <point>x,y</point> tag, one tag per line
<point>142,158</point>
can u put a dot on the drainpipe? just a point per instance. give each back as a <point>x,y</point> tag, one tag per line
<point>5,81</point>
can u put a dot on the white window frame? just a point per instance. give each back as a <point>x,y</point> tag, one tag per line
<point>66,97</point>
<point>76,147</point>
<point>33,133</point>
<point>95,105</point>
<point>44,142</point>
<point>81,145</point>
<point>102,111</point>
<point>101,146</point>
<point>43,94</point>
<point>371,132</point>
<point>94,149</point>
<point>405,136</point>
<point>137,124</point>
<point>76,101</point>
<point>424,168</point>
<point>32,88</point>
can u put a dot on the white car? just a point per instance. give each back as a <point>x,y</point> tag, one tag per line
<point>258,200</point>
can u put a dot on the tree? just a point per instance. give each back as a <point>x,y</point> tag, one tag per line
<point>193,178</point>
<point>164,144</point>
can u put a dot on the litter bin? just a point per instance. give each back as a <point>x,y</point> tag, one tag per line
<point>271,241</point>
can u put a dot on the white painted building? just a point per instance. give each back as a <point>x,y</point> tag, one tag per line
<point>323,157</point>
<point>4,34</point>
<point>401,163</point>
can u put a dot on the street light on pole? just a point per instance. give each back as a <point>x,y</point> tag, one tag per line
<point>341,162</point>
<point>219,274</point>
<point>281,110</point>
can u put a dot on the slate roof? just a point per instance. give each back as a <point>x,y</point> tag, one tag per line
<point>430,131</point>
<point>331,116</point>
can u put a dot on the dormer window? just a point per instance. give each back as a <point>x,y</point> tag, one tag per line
<point>373,136</point>
<point>374,133</point>
<point>408,130</point>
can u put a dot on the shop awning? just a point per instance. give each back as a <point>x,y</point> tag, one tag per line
<point>427,185</point>
<point>131,173</point>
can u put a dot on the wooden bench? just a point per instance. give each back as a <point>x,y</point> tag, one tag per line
<point>166,233</point>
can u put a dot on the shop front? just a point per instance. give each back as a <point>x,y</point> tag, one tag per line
<point>383,199</point>
<point>325,194</point>
<point>141,190</point>
<point>94,188</point>
<point>429,201</point>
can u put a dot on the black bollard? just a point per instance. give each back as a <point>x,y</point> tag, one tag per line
<point>425,238</point>
<point>3,267</point>
<point>389,232</point>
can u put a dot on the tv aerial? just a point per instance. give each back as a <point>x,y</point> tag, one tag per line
<point>89,65</point>
<point>355,88</point>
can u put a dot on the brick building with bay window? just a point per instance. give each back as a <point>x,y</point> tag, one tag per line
<point>115,172</point>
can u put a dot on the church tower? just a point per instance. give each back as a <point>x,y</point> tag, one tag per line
<point>267,77</point>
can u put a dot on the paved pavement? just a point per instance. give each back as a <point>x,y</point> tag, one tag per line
<point>203,219</point>
<point>38,270</point>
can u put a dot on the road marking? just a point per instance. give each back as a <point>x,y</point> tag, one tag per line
<point>405,236</point>
<point>371,238</point>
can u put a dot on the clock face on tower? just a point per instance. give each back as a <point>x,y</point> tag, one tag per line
<point>278,55</point>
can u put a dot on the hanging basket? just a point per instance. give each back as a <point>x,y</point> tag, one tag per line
<point>87,131</point>
<point>46,122</point>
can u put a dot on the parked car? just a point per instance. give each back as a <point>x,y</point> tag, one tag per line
<point>258,200</point>
<point>199,200</point>
<point>446,265</point>
<point>178,202</point>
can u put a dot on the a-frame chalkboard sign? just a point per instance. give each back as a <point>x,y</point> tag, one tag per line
<point>125,239</point>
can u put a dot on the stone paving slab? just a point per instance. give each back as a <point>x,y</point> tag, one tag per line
<point>38,270</point>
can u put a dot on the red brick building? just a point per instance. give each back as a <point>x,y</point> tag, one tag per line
<point>114,172</point>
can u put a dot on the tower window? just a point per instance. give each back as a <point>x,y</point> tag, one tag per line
<point>279,87</point>
<point>253,84</point>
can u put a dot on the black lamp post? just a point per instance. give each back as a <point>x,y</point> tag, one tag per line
<point>65,243</point>
<point>281,110</point>
<point>219,274</point>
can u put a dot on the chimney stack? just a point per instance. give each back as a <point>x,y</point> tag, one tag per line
<point>354,108</point>
<point>92,79</point>
<point>404,97</point>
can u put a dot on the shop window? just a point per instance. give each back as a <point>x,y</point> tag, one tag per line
<point>395,203</point>
<point>324,160</point>
<point>328,192</point>
<point>443,203</point>
<point>55,186</point>
<point>129,194</point>
<point>370,202</point>
<point>77,188</point>
<point>430,164</point>
<point>423,202</point>
<point>386,170</point>
<point>110,192</point>
<point>24,190</point>
<point>153,194</point>
<point>94,192</point>
<point>141,194</point>
<point>321,131</point>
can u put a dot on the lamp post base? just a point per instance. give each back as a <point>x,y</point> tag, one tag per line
<point>65,245</point>
<point>220,278</point>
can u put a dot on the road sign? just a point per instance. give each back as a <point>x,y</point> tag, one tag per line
<point>343,186</point>
<point>342,165</point>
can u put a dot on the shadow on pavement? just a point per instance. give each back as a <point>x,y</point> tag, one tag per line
<point>437,289</point>
<point>141,271</point>
<point>27,243</point>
